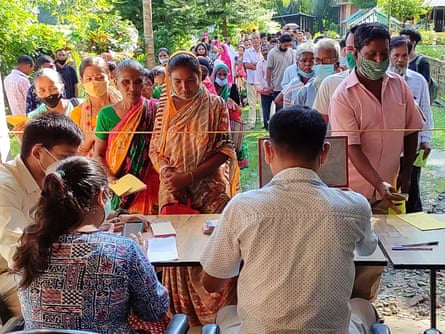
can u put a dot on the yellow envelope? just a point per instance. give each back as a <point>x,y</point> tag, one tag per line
<point>15,120</point>
<point>127,184</point>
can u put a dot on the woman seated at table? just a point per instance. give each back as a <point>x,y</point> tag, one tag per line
<point>94,75</point>
<point>122,151</point>
<point>72,274</point>
<point>197,167</point>
<point>49,89</point>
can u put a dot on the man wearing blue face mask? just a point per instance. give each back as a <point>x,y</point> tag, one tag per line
<point>330,84</point>
<point>326,55</point>
<point>370,99</point>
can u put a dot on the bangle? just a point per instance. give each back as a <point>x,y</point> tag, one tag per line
<point>191,177</point>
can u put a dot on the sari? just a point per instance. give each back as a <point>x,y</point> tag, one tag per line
<point>170,146</point>
<point>127,153</point>
<point>83,116</point>
<point>225,58</point>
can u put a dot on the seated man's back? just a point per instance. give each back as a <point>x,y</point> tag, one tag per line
<point>295,238</point>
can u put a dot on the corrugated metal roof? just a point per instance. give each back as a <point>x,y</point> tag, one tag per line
<point>371,15</point>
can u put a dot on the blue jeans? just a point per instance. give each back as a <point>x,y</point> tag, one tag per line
<point>266,102</point>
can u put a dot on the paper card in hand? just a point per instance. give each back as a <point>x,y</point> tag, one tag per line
<point>127,185</point>
<point>15,120</point>
<point>163,229</point>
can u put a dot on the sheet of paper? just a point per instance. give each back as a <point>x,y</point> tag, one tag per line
<point>162,249</point>
<point>423,221</point>
<point>162,229</point>
<point>127,184</point>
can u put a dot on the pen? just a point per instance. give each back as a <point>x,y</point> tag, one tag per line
<point>430,243</point>
<point>404,248</point>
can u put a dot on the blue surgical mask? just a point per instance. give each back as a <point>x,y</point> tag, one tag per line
<point>221,83</point>
<point>305,75</point>
<point>323,70</point>
<point>212,56</point>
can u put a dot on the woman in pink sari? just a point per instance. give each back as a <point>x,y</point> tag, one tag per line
<point>224,56</point>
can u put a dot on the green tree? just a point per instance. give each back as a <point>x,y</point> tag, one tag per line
<point>24,34</point>
<point>365,4</point>
<point>403,9</point>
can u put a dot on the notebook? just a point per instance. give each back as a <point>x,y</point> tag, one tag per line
<point>163,229</point>
<point>127,185</point>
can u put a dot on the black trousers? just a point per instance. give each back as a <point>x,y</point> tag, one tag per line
<point>414,203</point>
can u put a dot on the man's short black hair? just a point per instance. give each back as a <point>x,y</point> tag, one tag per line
<point>25,60</point>
<point>262,34</point>
<point>368,32</point>
<point>43,59</point>
<point>50,129</point>
<point>298,131</point>
<point>285,38</point>
<point>398,41</point>
<point>350,31</point>
<point>342,43</point>
<point>414,35</point>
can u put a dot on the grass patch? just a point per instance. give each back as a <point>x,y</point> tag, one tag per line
<point>249,177</point>
<point>438,141</point>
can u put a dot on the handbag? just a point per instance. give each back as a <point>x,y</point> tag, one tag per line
<point>176,208</point>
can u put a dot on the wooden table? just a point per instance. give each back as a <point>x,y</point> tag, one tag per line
<point>393,231</point>
<point>190,241</point>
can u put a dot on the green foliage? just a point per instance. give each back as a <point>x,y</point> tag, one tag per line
<point>365,4</point>
<point>24,35</point>
<point>403,9</point>
<point>326,12</point>
<point>438,141</point>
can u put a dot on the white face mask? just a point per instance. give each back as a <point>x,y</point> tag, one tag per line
<point>51,155</point>
<point>107,208</point>
<point>163,60</point>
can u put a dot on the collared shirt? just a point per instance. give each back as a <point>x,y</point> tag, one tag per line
<point>419,89</point>
<point>278,61</point>
<point>353,107</point>
<point>296,251</point>
<point>19,193</point>
<point>251,56</point>
<point>292,89</point>
<point>16,87</point>
<point>326,91</point>
<point>305,95</point>
<point>4,132</point>
<point>290,73</point>
<point>260,74</point>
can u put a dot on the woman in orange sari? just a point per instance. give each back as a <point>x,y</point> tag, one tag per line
<point>122,151</point>
<point>94,75</point>
<point>192,152</point>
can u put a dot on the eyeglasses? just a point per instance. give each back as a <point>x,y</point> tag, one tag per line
<point>325,61</point>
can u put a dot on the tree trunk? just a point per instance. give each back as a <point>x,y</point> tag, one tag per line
<point>148,34</point>
<point>224,22</point>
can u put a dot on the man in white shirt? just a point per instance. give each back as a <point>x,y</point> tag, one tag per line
<point>399,50</point>
<point>17,85</point>
<point>47,139</point>
<point>294,254</point>
<point>4,132</point>
<point>251,58</point>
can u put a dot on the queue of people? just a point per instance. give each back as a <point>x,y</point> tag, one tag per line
<point>57,215</point>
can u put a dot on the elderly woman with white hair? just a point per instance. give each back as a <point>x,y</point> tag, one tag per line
<point>326,63</point>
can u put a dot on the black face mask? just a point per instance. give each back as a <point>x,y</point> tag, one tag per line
<point>61,62</point>
<point>52,100</point>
